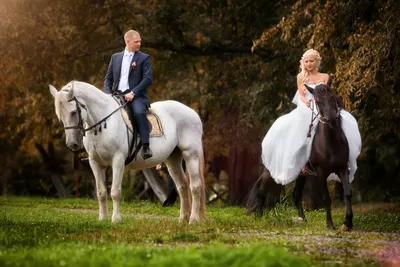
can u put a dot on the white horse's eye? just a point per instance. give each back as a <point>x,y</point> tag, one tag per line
<point>73,113</point>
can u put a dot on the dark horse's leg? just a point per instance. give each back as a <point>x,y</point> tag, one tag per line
<point>298,195</point>
<point>326,198</point>
<point>347,187</point>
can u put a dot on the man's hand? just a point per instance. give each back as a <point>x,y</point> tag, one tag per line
<point>129,97</point>
<point>159,166</point>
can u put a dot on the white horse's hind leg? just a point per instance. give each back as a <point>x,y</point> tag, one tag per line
<point>192,159</point>
<point>99,173</point>
<point>118,166</point>
<point>174,164</point>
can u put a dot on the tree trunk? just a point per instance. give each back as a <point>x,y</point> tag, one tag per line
<point>243,172</point>
<point>61,191</point>
<point>4,181</point>
<point>53,166</point>
<point>75,160</point>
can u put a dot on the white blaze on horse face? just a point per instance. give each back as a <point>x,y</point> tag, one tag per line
<point>70,118</point>
<point>67,112</point>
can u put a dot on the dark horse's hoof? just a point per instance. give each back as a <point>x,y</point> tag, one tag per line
<point>331,227</point>
<point>258,213</point>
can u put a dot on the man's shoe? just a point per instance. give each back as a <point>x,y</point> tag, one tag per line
<point>147,153</point>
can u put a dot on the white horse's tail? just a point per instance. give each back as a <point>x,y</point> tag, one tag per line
<point>203,184</point>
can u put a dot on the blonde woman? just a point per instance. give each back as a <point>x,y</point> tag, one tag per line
<point>286,147</point>
<point>310,75</point>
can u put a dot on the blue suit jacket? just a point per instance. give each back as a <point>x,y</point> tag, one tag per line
<point>139,78</point>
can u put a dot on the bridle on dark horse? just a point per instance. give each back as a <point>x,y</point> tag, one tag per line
<point>315,115</point>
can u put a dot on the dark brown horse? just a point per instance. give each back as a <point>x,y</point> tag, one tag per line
<point>329,154</point>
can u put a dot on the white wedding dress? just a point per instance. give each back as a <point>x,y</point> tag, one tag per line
<point>286,147</point>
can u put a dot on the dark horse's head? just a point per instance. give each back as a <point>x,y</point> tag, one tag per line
<point>328,104</point>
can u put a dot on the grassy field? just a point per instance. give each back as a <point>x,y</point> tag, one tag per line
<point>52,232</point>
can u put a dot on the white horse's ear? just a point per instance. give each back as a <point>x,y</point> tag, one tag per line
<point>70,93</point>
<point>53,90</point>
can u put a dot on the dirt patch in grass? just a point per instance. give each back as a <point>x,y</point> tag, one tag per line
<point>338,250</point>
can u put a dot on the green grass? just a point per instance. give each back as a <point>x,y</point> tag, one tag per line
<point>52,232</point>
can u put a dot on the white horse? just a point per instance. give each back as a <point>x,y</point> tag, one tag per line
<point>81,105</point>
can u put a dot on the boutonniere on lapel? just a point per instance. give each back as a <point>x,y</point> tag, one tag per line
<point>133,65</point>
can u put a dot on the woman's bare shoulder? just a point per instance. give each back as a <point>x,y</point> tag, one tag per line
<point>324,75</point>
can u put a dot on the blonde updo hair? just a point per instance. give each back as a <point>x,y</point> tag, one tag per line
<point>310,52</point>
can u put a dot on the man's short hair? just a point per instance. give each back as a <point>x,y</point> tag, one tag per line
<point>129,35</point>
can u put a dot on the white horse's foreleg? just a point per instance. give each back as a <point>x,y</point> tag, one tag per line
<point>192,159</point>
<point>99,173</point>
<point>118,166</point>
<point>174,164</point>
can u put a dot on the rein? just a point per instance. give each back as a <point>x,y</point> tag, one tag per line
<point>313,117</point>
<point>132,153</point>
<point>79,105</point>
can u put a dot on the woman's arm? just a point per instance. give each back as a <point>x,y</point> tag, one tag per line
<point>302,90</point>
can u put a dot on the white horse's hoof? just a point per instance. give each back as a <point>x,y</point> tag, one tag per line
<point>102,217</point>
<point>194,220</point>
<point>116,219</point>
<point>183,219</point>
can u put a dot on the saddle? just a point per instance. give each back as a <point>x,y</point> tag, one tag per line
<point>156,129</point>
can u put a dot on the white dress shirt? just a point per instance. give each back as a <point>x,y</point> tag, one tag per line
<point>125,68</point>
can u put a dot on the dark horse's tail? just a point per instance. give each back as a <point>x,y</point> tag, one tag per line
<point>264,194</point>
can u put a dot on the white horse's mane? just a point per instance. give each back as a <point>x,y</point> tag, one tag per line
<point>62,95</point>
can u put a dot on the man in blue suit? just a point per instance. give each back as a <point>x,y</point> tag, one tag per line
<point>130,72</point>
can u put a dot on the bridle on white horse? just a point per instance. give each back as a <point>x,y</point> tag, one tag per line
<point>79,107</point>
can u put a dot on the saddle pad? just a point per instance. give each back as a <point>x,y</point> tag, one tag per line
<point>154,120</point>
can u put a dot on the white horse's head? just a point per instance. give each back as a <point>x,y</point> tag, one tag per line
<point>73,114</point>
